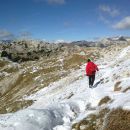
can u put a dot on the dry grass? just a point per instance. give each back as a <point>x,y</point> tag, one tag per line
<point>71,94</point>
<point>92,122</point>
<point>10,70</point>
<point>24,84</point>
<point>117,120</point>
<point>100,118</point>
<point>86,124</point>
<point>15,106</point>
<point>74,61</point>
<point>3,63</point>
<point>124,91</point>
<point>117,87</point>
<point>104,100</point>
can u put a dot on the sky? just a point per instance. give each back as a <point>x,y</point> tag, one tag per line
<point>64,20</point>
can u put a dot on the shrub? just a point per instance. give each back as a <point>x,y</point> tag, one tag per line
<point>126,89</point>
<point>104,100</point>
<point>116,87</point>
<point>117,119</point>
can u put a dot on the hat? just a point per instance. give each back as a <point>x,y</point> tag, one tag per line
<point>89,60</point>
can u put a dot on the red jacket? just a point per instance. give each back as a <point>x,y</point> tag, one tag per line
<point>91,68</point>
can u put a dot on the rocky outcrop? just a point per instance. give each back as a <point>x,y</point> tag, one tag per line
<point>19,51</point>
<point>25,50</point>
<point>105,42</point>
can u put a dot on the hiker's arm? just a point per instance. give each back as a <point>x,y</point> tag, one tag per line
<point>96,68</point>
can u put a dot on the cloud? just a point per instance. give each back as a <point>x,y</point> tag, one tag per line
<point>67,24</point>
<point>60,2</point>
<point>25,35</point>
<point>6,35</point>
<point>57,2</point>
<point>123,24</point>
<point>104,19</point>
<point>61,41</point>
<point>109,10</point>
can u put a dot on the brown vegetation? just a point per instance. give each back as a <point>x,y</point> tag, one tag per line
<point>15,106</point>
<point>117,87</point>
<point>117,120</point>
<point>104,100</point>
<point>92,122</point>
<point>3,63</point>
<point>74,61</point>
<point>126,89</point>
<point>86,124</point>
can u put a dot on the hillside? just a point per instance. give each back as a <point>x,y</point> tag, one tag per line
<point>26,77</point>
<point>51,93</point>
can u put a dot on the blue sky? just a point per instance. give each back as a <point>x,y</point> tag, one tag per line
<point>64,19</point>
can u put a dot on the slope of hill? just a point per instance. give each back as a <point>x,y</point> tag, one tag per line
<point>19,79</point>
<point>66,102</point>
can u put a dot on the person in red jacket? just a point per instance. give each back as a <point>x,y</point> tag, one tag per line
<point>91,69</point>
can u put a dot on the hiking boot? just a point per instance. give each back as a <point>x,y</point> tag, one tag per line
<point>90,86</point>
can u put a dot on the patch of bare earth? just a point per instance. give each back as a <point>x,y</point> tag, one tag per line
<point>117,119</point>
<point>125,90</point>
<point>104,100</point>
<point>117,86</point>
<point>92,122</point>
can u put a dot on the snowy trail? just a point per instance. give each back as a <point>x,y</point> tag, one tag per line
<point>70,100</point>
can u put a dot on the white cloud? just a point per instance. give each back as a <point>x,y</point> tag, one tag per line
<point>104,19</point>
<point>67,24</point>
<point>109,10</point>
<point>61,41</point>
<point>5,35</point>
<point>60,2</point>
<point>123,24</point>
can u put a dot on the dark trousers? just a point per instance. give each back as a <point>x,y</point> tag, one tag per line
<point>91,79</point>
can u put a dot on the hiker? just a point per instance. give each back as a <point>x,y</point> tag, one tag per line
<point>91,69</point>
